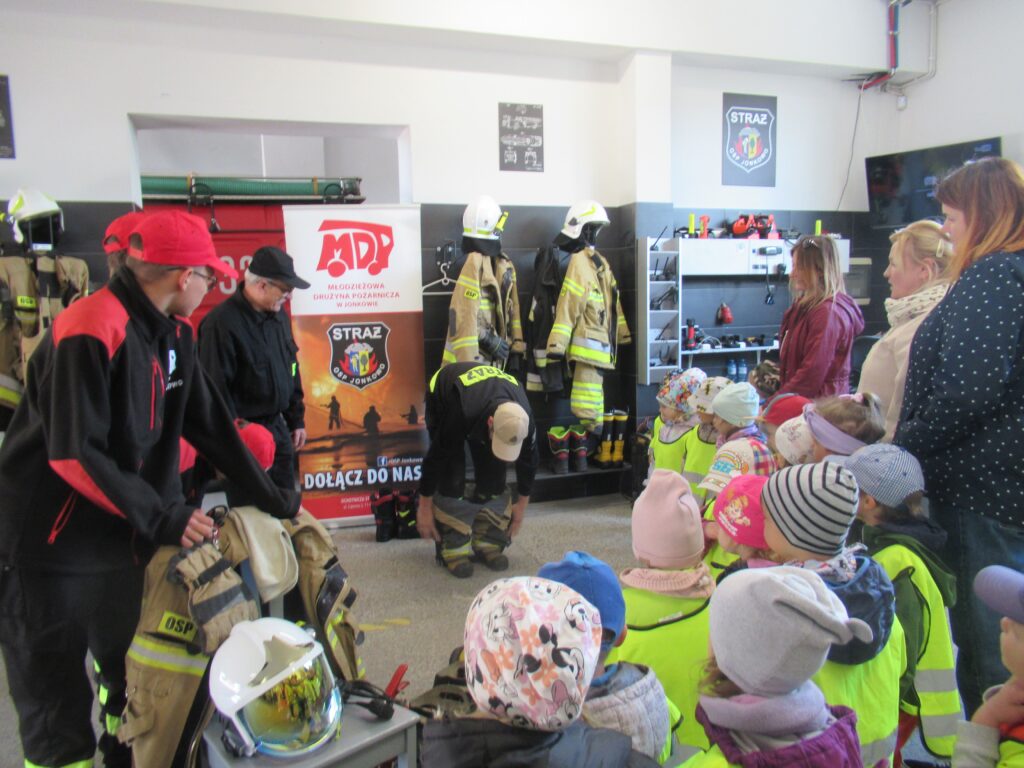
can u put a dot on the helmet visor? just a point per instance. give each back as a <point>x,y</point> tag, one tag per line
<point>297,714</point>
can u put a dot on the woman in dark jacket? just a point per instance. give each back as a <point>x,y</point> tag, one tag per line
<point>818,330</point>
<point>963,407</point>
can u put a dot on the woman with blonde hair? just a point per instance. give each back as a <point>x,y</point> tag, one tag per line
<point>918,261</point>
<point>963,407</point>
<point>818,329</point>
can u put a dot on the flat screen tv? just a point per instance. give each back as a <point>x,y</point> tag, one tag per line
<point>901,187</point>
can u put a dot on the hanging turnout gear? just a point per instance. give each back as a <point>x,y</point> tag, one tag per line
<point>589,326</point>
<point>543,375</point>
<point>483,319</point>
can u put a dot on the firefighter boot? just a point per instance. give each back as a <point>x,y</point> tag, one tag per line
<point>406,503</point>
<point>490,537</point>
<point>604,448</point>
<point>558,442</point>
<point>454,556</point>
<point>382,502</point>
<point>578,447</point>
<point>619,438</point>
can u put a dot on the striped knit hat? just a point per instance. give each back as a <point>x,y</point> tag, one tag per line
<point>813,505</point>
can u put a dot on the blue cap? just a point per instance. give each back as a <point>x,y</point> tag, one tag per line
<point>887,472</point>
<point>597,583</point>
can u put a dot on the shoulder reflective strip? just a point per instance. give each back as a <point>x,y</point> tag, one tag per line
<point>935,680</point>
<point>448,356</point>
<point>433,379</point>
<point>76,764</point>
<point>468,281</point>
<point>573,287</point>
<point>25,302</point>
<point>875,752</point>
<point>174,658</point>
<point>940,726</point>
<point>177,625</point>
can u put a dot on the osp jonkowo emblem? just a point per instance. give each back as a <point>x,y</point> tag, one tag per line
<point>359,353</point>
<point>749,145</point>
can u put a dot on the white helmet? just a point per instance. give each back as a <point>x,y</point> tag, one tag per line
<point>270,678</point>
<point>483,219</point>
<point>29,204</point>
<point>582,213</point>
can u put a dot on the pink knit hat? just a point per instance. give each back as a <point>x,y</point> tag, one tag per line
<point>667,530</point>
<point>738,510</point>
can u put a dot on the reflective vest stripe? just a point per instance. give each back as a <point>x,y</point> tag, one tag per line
<point>448,356</point>
<point>875,752</point>
<point>76,764</point>
<point>174,658</point>
<point>935,680</point>
<point>572,286</point>
<point>533,383</point>
<point>941,727</point>
<point>586,355</point>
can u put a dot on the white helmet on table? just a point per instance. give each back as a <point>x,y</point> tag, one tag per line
<point>270,678</point>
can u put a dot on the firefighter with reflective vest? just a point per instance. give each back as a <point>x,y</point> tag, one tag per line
<point>483,319</point>
<point>35,286</point>
<point>589,326</point>
<point>485,408</point>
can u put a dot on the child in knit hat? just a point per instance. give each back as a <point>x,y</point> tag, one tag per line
<point>676,416</point>
<point>809,509</point>
<point>667,596</point>
<point>741,447</point>
<point>739,520</point>
<point>701,442</point>
<point>531,647</point>
<point>900,537</point>
<point>771,630</point>
<point>994,736</point>
<point>840,425</point>
<point>623,696</point>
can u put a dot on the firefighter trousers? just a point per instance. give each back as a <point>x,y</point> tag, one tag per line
<point>48,622</point>
<point>472,526</point>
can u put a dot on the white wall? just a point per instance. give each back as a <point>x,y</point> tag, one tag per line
<point>374,160</point>
<point>814,134</point>
<point>976,91</point>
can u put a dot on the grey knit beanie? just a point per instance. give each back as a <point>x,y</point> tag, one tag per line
<point>813,505</point>
<point>771,628</point>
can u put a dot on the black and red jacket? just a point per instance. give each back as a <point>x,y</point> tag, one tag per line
<point>89,468</point>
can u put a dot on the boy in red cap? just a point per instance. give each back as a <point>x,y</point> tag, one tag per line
<point>89,479</point>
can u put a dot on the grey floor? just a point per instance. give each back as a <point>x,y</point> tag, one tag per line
<point>413,611</point>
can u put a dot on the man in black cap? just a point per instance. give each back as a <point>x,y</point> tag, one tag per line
<point>246,346</point>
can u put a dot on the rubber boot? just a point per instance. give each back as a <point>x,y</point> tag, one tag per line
<point>405,514</point>
<point>382,502</point>
<point>558,442</point>
<point>604,448</point>
<point>619,438</point>
<point>578,447</point>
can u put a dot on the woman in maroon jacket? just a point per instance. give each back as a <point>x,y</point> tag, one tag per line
<point>819,328</point>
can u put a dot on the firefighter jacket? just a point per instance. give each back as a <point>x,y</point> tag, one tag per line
<point>460,399</point>
<point>31,296</point>
<point>589,323</point>
<point>165,668</point>
<point>542,375</point>
<point>89,466</point>
<point>485,301</point>
<point>252,359</point>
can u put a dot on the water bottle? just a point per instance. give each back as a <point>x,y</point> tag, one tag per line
<point>741,370</point>
<point>730,369</point>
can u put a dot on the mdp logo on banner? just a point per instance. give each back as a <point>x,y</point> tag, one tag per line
<point>748,140</point>
<point>359,353</point>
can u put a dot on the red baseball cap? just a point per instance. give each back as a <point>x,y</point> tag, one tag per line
<point>116,237</point>
<point>260,442</point>
<point>177,239</point>
<point>783,407</point>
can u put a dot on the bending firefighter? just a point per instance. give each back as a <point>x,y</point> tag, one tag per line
<point>486,408</point>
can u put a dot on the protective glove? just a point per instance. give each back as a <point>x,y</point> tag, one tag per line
<point>217,598</point>
<point>492,345</point>
<point>514,365</point>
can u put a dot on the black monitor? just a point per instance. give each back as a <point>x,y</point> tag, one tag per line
<point>901,186</point>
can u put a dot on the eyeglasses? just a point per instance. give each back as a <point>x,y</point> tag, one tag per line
<point>209,277</point>
<point>286,290</point>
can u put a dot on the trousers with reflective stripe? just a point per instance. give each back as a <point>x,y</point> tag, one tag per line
<point>586,401</point>
<point>935,678</point>
<point>872,690</point>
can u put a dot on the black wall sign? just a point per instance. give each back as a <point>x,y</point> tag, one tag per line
<point>748,140</point>
<point>6,120</point>
<point>521,137</point>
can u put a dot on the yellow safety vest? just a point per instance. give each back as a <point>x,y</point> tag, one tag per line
<point>666,455</point>
<point>935,678</point>
<point>669,635</point>
<point>872,690</point>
